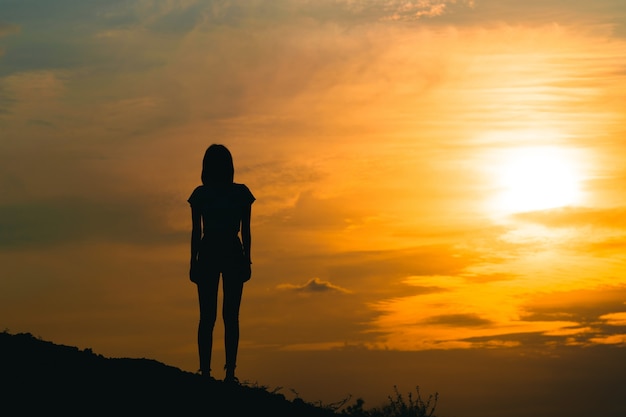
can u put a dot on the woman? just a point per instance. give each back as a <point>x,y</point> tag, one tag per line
<point>220,213</point>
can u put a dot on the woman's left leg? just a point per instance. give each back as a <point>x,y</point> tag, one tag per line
<point>233,289</point>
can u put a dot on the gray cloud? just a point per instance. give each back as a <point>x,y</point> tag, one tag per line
<point>8,29</point>
<point>314,285</point>
<point>59,34</point>
<point>70,34</point>
<point>462,320</point>
<point>529,340</point>
<point>583,306</point>
<point>53,222</point>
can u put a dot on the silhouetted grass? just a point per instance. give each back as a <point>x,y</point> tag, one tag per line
<point>397,406</point>
<point>43,378</point>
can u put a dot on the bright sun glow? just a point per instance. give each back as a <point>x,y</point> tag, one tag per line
<point>537,178</point>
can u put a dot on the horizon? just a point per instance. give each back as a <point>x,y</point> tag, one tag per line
<point>436,181</point>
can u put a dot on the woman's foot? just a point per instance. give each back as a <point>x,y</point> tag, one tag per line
<point>231,379</point>
<point>230,376</point>
<point>206,376</point>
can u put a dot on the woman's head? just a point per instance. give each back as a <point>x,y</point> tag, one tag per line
<point>217,166</point>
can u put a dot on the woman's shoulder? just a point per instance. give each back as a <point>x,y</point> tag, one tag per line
<point>204,193</point>
<point>198,193</point>
<point>241,187</point>
<point>244,193</point>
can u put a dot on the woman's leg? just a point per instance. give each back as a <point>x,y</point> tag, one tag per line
<point>207,295</point>
<point>233,289</point>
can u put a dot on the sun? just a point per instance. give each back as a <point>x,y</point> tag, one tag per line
<point>536,178</point>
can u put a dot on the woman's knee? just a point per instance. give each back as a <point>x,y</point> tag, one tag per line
<point>231,318</point>
<point>208,320</point>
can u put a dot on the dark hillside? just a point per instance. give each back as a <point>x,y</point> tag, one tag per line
<point>43,378</point>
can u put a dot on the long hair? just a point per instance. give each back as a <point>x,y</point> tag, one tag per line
<point>217,166</point>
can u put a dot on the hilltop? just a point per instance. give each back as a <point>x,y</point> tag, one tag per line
<point>40,377</point>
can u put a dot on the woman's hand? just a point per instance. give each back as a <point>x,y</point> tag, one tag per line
<point>194,272</point>
<point>246,272</point>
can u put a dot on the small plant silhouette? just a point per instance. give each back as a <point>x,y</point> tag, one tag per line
<point>397,406</point>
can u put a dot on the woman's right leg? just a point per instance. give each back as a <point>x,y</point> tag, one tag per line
<point>207,295</point>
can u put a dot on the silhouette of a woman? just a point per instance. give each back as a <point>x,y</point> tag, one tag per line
<point>220,213</point>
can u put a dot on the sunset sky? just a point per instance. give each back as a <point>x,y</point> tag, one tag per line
<point>440,190</point>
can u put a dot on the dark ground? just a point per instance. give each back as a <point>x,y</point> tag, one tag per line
<point>42,378</point>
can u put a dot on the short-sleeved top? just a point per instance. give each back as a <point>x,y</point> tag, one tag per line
<point>221,207</point>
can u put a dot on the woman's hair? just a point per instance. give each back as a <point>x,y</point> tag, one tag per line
<point>217,166</point>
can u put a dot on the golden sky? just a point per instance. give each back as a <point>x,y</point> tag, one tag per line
<point>435,178</point>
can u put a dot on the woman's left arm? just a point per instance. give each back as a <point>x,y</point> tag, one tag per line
<point>246,239</point>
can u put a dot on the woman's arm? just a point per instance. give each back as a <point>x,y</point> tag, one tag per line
<point>246,239</point>
<point>196,234</point>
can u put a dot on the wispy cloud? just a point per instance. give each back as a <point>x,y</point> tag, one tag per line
<point>493,318</point>
<point>416,9</point>
<point>608,218</point>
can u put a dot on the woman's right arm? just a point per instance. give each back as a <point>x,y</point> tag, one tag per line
<point>196,235</point>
